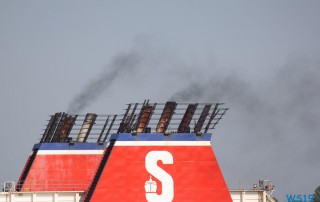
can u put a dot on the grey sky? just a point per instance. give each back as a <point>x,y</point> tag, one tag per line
<point>260,58</point>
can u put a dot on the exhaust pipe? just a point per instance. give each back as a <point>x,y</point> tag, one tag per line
<point>86,127</point>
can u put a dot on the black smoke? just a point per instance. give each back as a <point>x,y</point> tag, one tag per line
<point>122,64</point>
<point>271,130</point>
<point>273,124</point>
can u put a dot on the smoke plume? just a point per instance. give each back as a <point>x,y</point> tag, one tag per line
<point>273,125</point>
<point>122,64</point>
<point>271,130</point>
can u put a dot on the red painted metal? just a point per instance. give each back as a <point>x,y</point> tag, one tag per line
<point>61,172</point>
<point>195,172</point>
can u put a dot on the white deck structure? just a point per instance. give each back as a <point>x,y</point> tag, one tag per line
<point>68,196</point>
<point>74,196</point>
<point>250,196</point>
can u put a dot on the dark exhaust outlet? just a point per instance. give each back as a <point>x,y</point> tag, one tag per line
<point>67,127</point>
<point>166,116</point>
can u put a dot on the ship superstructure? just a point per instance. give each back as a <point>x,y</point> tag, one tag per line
<point>152,152</point>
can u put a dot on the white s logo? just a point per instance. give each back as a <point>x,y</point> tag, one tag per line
<point>167,182</point>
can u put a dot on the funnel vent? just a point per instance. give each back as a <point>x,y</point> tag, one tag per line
<point>86,127</point>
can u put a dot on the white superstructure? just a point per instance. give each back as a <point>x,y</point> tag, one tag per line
<point>73,196</point>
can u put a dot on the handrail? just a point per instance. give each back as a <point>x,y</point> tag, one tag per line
<point>168,117</point>
<point>250,184</point>
<point>54,185</point>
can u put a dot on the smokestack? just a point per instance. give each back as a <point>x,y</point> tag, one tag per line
<point>185,122</point>
<point>67,127</point>
<point>143,121</point>
<point>166,116</point>
<point>202,118</point>
<point>86,127</point>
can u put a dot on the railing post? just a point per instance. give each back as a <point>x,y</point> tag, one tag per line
<point>11,198</point>
<point>55,197</point>
<point>77,197</point>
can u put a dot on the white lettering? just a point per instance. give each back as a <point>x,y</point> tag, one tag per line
<point>167,182</point>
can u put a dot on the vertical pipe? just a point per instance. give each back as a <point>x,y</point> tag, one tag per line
<point>86,127</point>
<point>184,126</point>
<point>166,116</point>
<point>202,118</point>
<point>144,118</point>
<point>67,127</point>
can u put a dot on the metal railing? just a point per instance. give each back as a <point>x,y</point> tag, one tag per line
<point>170,117</point>
<point>250,184</point>
<point>237,184</point>
<point>54,185</point>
